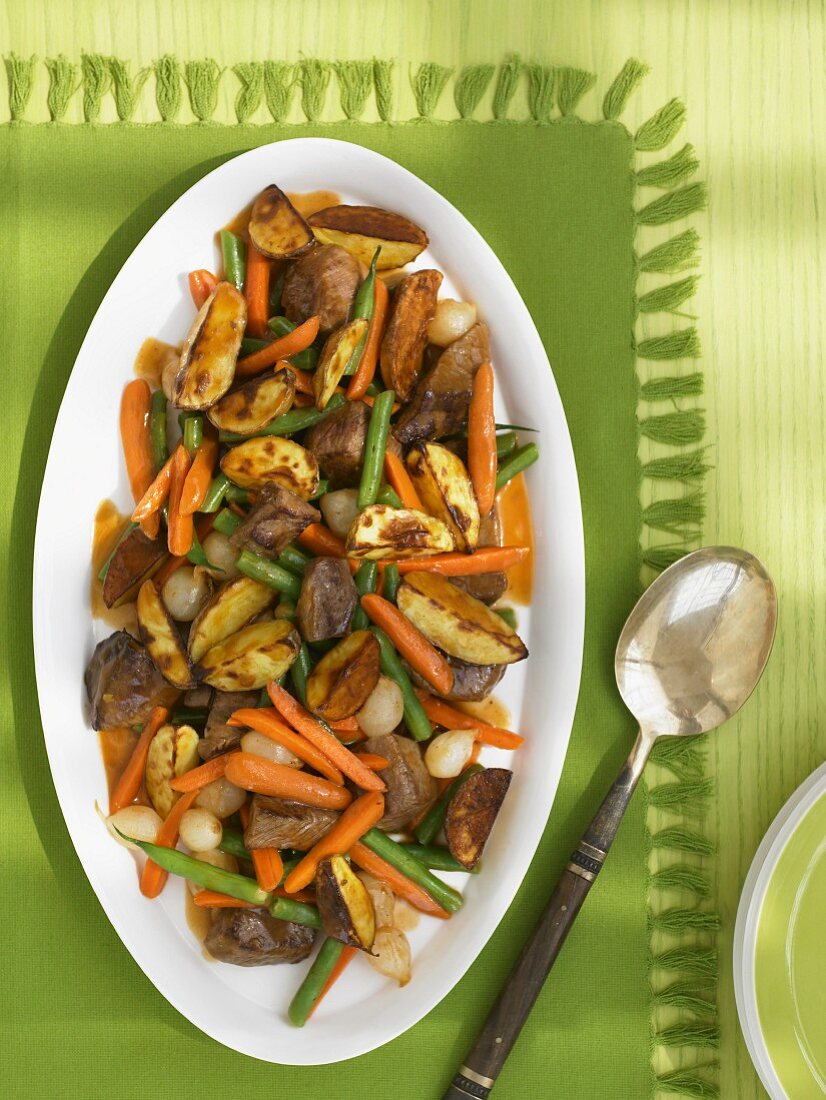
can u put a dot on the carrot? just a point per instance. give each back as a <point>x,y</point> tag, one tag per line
<point>264,720</point>
<point>171,565</point>
<point>127,787</point>
<point>409,641</point>
<point>370,356</point>
<point>300,895</point>
<point>359,816</point>
<point>257,291</point>
<point>282,348</point>
<point>154,877</point>
<point>322,541</point>
<point>487,559</point>
<point>211,899</point>
<point>156,494</point>
<point>269,867</point>
<point>373,761</point>
<point>137,444</point>
<point>303,379</point>
<point>198,778</point>
<point>445,715</point>
<point>481,439</point>
<point>254,773</point>
<point>199,477</point>
<point>474,753</point>
<point>179,533</point>
<point>345,725</point>
<point>347,954</point>
<point>400,884</point>
<point>201,285</point>
<point>400,479</point>
<point>293,712</point>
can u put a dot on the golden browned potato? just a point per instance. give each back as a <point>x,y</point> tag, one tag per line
<point>462,626</point>
<point>135,560</point>
<point>161,638</point>
<point>363,229</point>
<point>210,351</point>
<point>336,354</point>
<point>471,814</point>
<point>344,905</point>
<point>276,228</point>
<point>255,462</point>
<point>344,678</point>
<point>404,340</point>
<point>234,605</point>
<point>171,753</point>
<point>445,489</point>
<point>384,532</point>
<point>255,404</point>
<point>251,657</point>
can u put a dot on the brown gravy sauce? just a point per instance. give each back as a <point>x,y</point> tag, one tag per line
<point>109,523</point>
<point>198,920</point>
<point>153,356</point>
<point>517,530</point>
<point>490,710</point>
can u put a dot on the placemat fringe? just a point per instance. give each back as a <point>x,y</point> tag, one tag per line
<point>471,84</point>
<point>541,86</point>
<point>314,77</point>
<point>383,82</point>
<point>428,83</point>
<point>20,76</point>
<point>666,388</point>
<point>668,173</point>
<point>680,839</point>
<point>571,85</point>
<point>251,92</point>
<point>695,961</point>
<point>279,85</point>
<point>671,256</point>
<point>682,877</point>
<point>688,995</point>
<point>63,83</point>
<point>355,82</point>
<point>690,1083</point>
<point>167,71</point>
<point>506,84</point>
<point>96,81</point>
<point>125,87</point>
<point>202,79</point>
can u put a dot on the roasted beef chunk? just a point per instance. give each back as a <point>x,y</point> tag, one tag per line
<point>410,786</point>
<point>280,823</point>
<point>487,587</point>
<point>218,736</point>
<point>123,684</point>
<point>338,442</point>
<point>441,398</point>
<point>323,283</point>
<point>251,937</point>
<point>327,601</point>
<point>278,517</point>
<point>470,682</point>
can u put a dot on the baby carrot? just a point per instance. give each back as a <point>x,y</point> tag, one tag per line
<point>254,773</point>
<point>263,720</point>
<point>400,884</point>
<point>410,642</point>
<point>135,408</point>
<point>445,715</point>
<point>257,292</point>
<point>373,761</point>
<point>481,439</point>
<point>211,899</point>
<point>370,356</point>
<point>153,878</point>
<point>269,867</point>
<point>341,965</point>
<point>201,285</point>
<point>179,533</point>
<point>129,784</point>
<point>156,494</point>
<point>282,348</point>
<point>199,478</point>
<point>359,816</point>
<point>487,559</point>
<point>400,479</point>
<point>198,778</point>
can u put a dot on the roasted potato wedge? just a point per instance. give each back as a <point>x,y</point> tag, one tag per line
<point>471,814</point>
<point>234,605</point>
<point>255,404</point>
<point>405,338</point>
<point>363,229</point>
<point>251,657</point>
<point>337,352</point>
<point>210,351</point>
<point>445,489</point>
<point>135,560</point>
<point>384,532</point>
<point>344,905</point>
<point>254,462</point>
<point>276,228</point>
<point>462,626</point>
<point>341,682</point>
<point>171,753</point>
<point>161,638</point>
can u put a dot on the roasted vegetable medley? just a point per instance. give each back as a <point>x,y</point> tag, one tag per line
<point>316,566</point>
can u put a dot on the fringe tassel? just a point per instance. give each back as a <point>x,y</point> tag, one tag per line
<point>383,82</point>
<point>251,76</point>
<point>202,79</point>
<point>471,85</point>
<point>682,878</point>
<point>661,128</point>
<point>20,77</point>
<point>668,173</point>
<point>668,298</point>
<point>673,205</point>
<point>682,344</point>
<point>682,840</point>
<point>700,962</point>
<point>685,920</point>
<point>315,79</point>
<point>688,1082</point>
<point>279,82</point>
<point>672,256</point>
<point>621,89</point>
<point>667,389</point>
<point>541,82</point>
<point>686,467</point>
<point>572,84</point>
<point>168,87</point>
<point>679,755</point>
<point>689,1035</point>
<point>95,75</point>
<point>660,557</point>
<point>687,996</point>
<point>681,797</point>
<point>355,82</point>
<point>428,84</point>
<point>506,83</point>
<point>125,87</point>
<point>678,429</point>
<point>62,85</point>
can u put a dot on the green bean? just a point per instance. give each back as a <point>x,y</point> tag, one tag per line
<point>392,580</point>
<point>514,428</point>
<point>433,820</point>
<point>300,669</point>
<point>374,389</point>
<point>234,253</point>
<point>305,360</point>
<point>508,614</point>
<point>187,716</point>
<point>374,448</point>
<point>520,460</point>
<point>394,853</point>
<point>193,430</point>
<point>505,444</point>
<point>388,495</point>
<point>293,421</point>
<point>310,989</point>
<point>415,718</point>
<point>104,569</point>
<point>232,842</point>
<point>290,862</point>
<point>298,912</point>
<point>227,522</point>
<point>157,429</point>
<point>238,495</point>
<point>294,560</point>
<point>249,346</point>
<point>203,874</point>
<point>363,305</point>
<point>268,572</point>
<point>438,859</point>
<point>366,577</point>
<point>215,494</point>
<point>323,487</point>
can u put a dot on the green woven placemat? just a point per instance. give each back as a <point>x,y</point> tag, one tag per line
<point>556,198</point>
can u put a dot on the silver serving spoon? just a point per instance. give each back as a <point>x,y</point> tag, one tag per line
<point>689,656</point>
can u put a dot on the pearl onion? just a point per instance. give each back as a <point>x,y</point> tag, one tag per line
<point>448,753</point>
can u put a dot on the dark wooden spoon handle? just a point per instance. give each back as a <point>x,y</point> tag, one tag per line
<point>513,1005</point>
